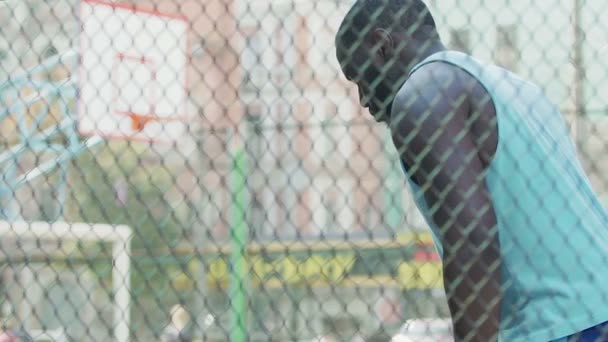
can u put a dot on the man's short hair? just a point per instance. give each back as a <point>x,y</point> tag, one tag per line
<point>367,15</point>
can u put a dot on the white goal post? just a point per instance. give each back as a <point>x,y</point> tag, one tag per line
<point>118,235</point>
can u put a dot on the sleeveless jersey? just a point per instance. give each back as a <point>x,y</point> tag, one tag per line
<point>553,230</point>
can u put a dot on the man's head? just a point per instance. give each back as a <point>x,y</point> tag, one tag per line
<point>378,43</point>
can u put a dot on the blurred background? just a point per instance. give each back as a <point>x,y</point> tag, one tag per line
<point>201,169</point>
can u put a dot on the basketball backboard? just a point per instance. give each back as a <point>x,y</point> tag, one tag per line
<point>132,78</point>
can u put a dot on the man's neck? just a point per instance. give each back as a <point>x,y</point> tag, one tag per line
<point>425,52</point>
<point>429,50</point>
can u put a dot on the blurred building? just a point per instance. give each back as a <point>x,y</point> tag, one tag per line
<point>38,30</point>
<point>321,166</point>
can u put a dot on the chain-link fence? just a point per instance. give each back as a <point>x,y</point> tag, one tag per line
<point>204,170</point>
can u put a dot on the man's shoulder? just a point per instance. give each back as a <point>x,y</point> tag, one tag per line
<point>438,74</point>
<point>432,83</point>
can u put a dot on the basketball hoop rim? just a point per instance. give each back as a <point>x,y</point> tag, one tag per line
<point>153,117</point>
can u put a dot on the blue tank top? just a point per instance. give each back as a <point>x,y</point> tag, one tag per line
<point>553,230</point>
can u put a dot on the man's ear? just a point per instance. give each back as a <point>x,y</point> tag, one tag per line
<point>384,42</point>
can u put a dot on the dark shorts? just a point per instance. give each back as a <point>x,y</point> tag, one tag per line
<point>598,333</point>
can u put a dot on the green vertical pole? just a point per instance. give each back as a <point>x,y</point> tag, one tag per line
<point>238,237</point>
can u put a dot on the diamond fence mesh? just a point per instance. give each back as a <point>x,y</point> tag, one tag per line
<point>205,170</point>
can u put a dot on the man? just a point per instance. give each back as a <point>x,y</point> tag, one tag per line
<point>523,237</point>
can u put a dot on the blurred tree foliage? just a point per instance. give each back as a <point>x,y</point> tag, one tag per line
<point>128,183</point>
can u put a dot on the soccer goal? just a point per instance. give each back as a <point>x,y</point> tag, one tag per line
<point>28,244</point>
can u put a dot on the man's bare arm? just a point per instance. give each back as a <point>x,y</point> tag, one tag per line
<point>431,132</point>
